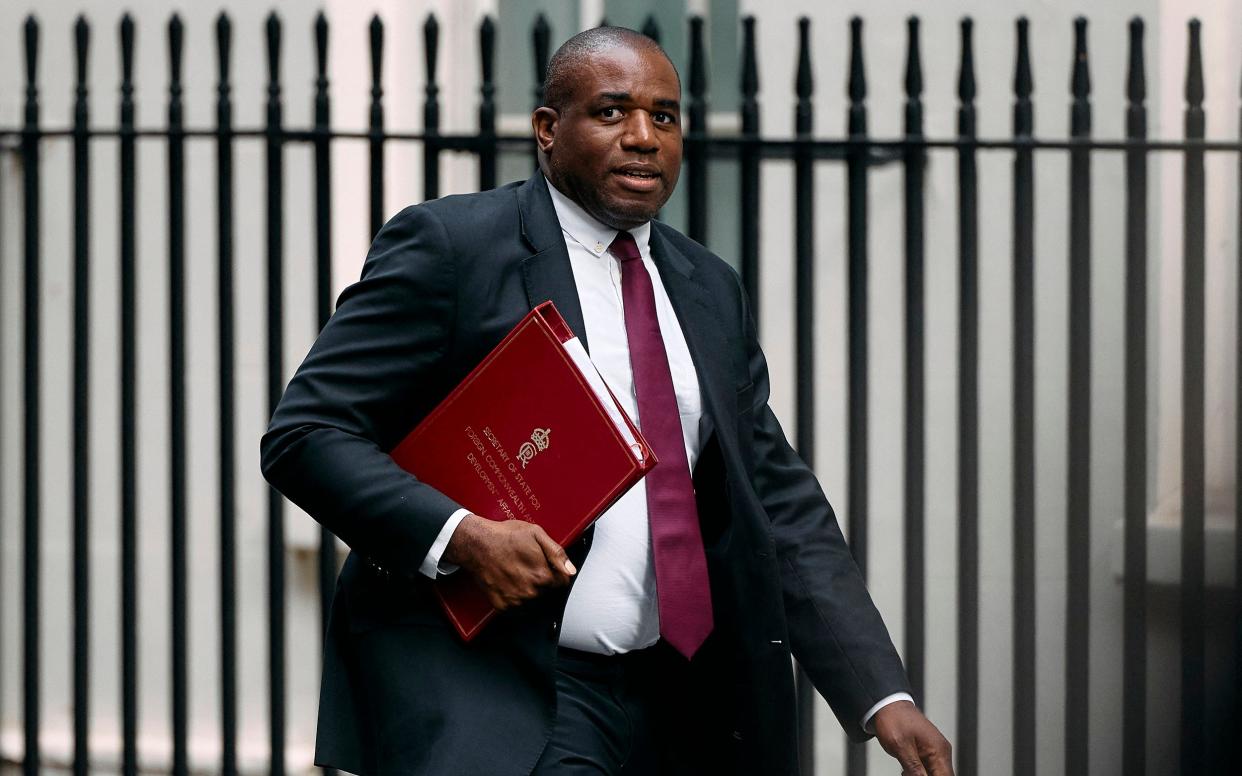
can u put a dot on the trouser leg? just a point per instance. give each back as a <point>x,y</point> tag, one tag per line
<point>602,723</point>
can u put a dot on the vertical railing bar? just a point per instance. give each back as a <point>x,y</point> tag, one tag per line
<point>4,620</point>
<point>1194,740</point>
<point>323,268</point>
<point>323,278</point>
<point>966,746</point>
<point>696,156</point>
<point>487,104</point>
<point>804,331</point>
<point>30,399</point>
<point>541,35</point>
<point>176,396</point>
<point>226,386</point>
<point>1237,478</point>
<point>651,28</point>
<point>1078,413</point>
<point>81,406</point>
<point>4,610</point>
<point>857,392</point>
<point>748,215</point>
<point>376,142</point>
<point>128,409</point>
<point>275,384</point>
<point>1023,416</point>
<point>804,239</point>
<point>915,529</point>
<point>857,244</point>
<point>1134,664</point>
<point>431,111</point>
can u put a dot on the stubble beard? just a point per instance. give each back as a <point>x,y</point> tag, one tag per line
<point>614,215</point>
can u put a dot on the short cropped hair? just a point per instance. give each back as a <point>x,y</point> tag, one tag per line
<point>559,79</point>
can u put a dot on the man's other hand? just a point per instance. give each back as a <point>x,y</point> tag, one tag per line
<point>512,560</point>
<point>913,740</point>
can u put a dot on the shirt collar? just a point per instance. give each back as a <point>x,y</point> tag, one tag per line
<point>580,227</point>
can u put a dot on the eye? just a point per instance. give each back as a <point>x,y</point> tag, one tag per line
<point>611,112</point>
<point>663,117</point>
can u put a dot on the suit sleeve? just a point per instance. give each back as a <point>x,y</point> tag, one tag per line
<point>374,368</point>
<point>835,631</point>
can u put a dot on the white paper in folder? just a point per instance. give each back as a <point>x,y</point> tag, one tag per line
<point>585,366</point>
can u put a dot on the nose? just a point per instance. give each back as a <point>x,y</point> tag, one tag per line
<point>640,134</point>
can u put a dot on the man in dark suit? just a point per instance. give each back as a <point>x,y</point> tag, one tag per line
<point>660,642</point>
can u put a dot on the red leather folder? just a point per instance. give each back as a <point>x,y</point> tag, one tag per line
<point>532,433</point>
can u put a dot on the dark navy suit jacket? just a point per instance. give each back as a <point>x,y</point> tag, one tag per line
<point>442,283</point>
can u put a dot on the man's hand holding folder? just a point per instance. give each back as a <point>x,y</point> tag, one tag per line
<point>535,446</point>
<point>512,561</point>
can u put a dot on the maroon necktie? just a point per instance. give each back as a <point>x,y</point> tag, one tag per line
<point>676,543</point>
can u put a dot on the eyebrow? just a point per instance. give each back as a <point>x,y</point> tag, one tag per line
<point>662,102</point>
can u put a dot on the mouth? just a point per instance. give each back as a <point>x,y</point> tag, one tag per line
<point>639,178</point>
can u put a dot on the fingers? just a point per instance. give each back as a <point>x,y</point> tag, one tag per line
<point>911,765</point>
<point>903,745</point>
<point>914,741</point>
<point>935,764</point>
<point>555,555</point>
<point>935,750</point>
<point>522,562</point>
<point>940,762</point>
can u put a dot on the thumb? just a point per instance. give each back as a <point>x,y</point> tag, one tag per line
<point>555,554</point>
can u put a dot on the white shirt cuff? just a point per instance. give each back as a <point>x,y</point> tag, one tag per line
<point>866,720</point>
<point>431,565</point>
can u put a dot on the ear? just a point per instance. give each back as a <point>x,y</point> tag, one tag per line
<point>543,121</point>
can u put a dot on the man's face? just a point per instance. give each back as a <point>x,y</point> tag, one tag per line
<point>615,146</point>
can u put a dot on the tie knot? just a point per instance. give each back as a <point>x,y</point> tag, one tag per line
<point>624,247</point>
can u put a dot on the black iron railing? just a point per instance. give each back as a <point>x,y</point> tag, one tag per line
<point>860,152</point>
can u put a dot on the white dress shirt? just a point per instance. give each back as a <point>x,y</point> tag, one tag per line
<point>612,605</point>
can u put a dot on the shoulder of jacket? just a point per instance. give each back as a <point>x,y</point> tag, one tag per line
<point>458,208</point>
<point>465,221</point>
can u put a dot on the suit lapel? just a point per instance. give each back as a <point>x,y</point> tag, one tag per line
<point>701,327</point>
<point>546,272</point>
